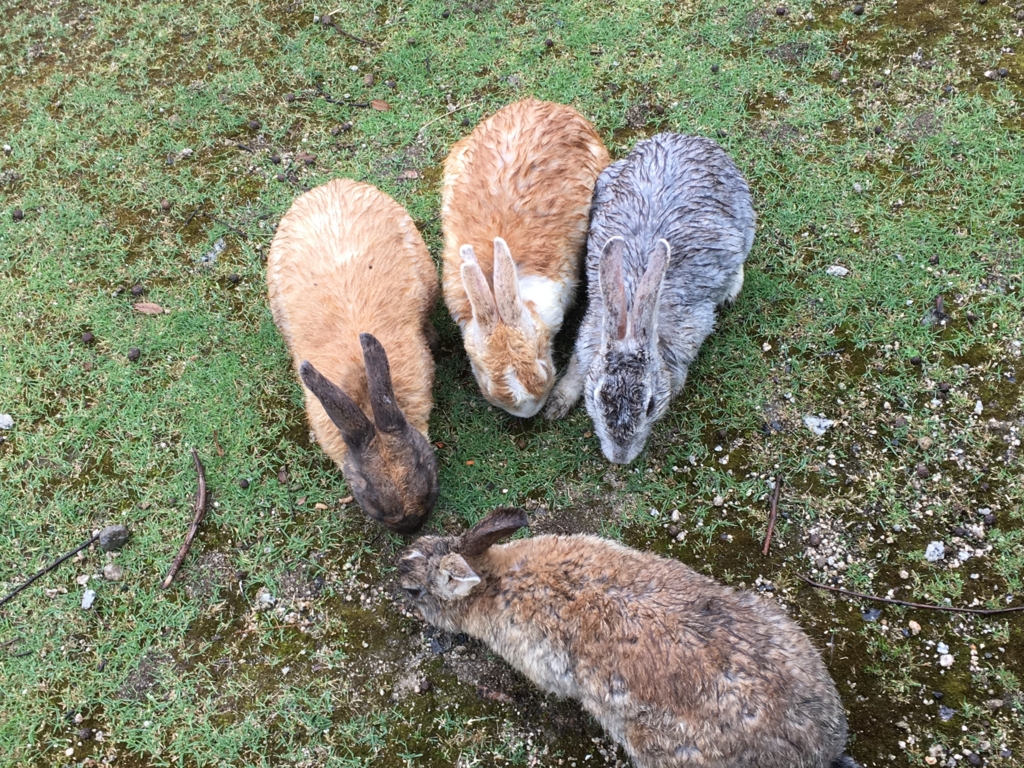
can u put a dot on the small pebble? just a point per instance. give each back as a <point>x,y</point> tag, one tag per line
<point>921,470</point>
<point>915,628</point>
<point>946,660</point>
<point>138,290</point>
<point>88,338</point>
<point>84,734</point>
<point>233,278</point>
<point>289,97</point>
<point>281,177</point>
<point>714,69</point>
<point>781,10</point>
<point>1003,72</point>
<point>465,122</point>
<point>17,214</point>
<point>134,354</point>
<point>935,552</point>
<point>165,204</point>
<point>113,537</point>
<point>814,540</point>
<point>88,599</point>
<point>943,386</point>
<point>369,80</point>
<point>243,483</point>
<point>254,125</point>
<point>6,421</point>
<point>445,13</point>
<point>391,84</point>
<point>112,572</point>
<point>335,130</point>
<point>858,9</point>
<point>275,159</point>
<point>549,43</point>
<point>878,130</point>
<point>916,360</point>
<point>973,758</point>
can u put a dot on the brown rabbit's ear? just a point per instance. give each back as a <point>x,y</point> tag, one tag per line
<point>479,292</point>
<point>506,285</point>
<point>386,413</point>
<point>643,315</point>
<point>460,577</point>
<point>500,523</point>
<point>356,429</point>
<point>613,288</point>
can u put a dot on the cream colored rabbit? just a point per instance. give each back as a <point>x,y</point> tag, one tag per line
<point>680,670</point>
<point>515,208</point>
<point>350,277</point>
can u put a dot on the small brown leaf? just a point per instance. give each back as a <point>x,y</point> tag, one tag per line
<point>470,463</point>
<point>380,105</point>
<point>319,505</point>
<point>300,502</point>
<point>369,80</point>
<point>346,500</point>
<point>148,308</point>
<point>408,174</point>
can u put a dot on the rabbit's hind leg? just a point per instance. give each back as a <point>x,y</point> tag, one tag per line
<point>735,286</point>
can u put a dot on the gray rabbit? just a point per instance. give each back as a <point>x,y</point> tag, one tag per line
<point>671,225</point>
<point>682,671</point>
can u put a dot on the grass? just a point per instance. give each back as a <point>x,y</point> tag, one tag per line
<point>873,142</point>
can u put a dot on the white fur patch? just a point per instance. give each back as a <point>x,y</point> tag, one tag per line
<point>549,298</point>
<point>413,555</point>
<point>519,393</point>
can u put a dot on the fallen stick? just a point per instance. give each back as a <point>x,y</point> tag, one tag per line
<point>196,521</point>
<point>772,515</point>
<point>50,567</point>
<point>908,604</point>
<point>446,114</point>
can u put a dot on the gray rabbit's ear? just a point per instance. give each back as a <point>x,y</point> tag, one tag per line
<point>459,576</point>
<point>479,292</point>
<point>613,288</point>
<point>386,413</point>
<point>506,286</point>
<point>356,429</point>
<point>500,523</point>
<point>643,315</point>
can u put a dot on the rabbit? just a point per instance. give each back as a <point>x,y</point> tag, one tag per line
<point>515,204</point>
<point>672,224</point>
<point>679,669</point>
<point>349,277</point>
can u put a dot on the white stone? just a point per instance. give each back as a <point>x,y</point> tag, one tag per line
<point>935,551</point>
<point>88,599</point>
<point>6,421</point>
<point>837,271</point>
<point>946,660</point>
<point>817,425</point>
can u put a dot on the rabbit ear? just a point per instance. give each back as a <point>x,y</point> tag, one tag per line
<point>500,523</point>
<point>386,413</point>
<point>461,578</point>
<point>506,285</point>
<point>356,429</point>
<point>480,297</point>
<point>643,314</point>
<point>613,288</point>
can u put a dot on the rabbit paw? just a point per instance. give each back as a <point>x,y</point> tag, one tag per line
<point>559,405</point>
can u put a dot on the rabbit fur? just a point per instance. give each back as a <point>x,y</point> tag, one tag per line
<point>515,204</point>
<point>349,277</point>
<point>671,225</point>
<point>679,669</point>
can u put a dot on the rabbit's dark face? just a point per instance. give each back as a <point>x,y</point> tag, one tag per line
<point>435,580</point>
<point>394,479</point>
<point>626,394</point>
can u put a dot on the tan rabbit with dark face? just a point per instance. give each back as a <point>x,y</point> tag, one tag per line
<point>514,210</point>
<point>680,670</point>
<point>351,285</point>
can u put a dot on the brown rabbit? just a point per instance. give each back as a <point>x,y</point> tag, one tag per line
<point>680,670</point>
<point>350,277</point>
<point>514,210</point>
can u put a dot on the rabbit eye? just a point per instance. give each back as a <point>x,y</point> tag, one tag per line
<point>650,406</point>
<point>414,592</point>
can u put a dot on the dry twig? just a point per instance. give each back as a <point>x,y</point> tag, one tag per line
<point>446,114</point>
<point>772,514</point>
<point>49,568</point>
<point>196,521</point>
<point>924,606</point>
